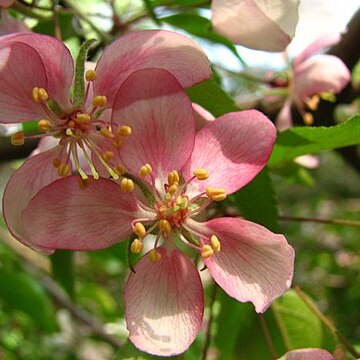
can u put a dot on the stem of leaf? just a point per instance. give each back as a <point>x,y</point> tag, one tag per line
<point>322,221</point>
<point>267,335</point>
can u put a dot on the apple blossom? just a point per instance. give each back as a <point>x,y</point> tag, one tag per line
<point>41,91</point>
<point>308,354</point>
<point>171,175</point>
<point>256,24</point>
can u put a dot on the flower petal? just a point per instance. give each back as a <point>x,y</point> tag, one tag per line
<point>201,116</point>
<point>154,105</point>
<point>253,264</point>
<point>284,117</point>
<point>164,303</point>
<point>48,65</point>
<point>36,172</point>
<point>9,24</point>
<point>308,354</point>
<point>246,21</point>
<point>320,73</point>
<point>233,149</point>
<point>64,216</point>
<point>147,49</point>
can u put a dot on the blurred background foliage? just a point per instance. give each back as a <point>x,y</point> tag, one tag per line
<point>71,305</point>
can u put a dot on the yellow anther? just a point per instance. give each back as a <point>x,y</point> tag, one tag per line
<point>215,194</point>
<point>173,188</point>
<point>107,155</point>
<point>127,185</point>
<point>215,243</point>
<point>90,75</point>
<point>173,177</point>
<point>145,170</point>
<point>39,94</point>
<point>18,138</point>
<point>165,227</point>
<point>119,169</point>
<point>44,125</point>
<point>154,255</point>
<point>71,124</point>
<point>63,169</point>
<point>107,133</point>
<point>117,141</point>
<point>124,130</point>
<point>201,174</point>
<point>83,118</point>
<point>136,246</point>
<point>99,100</point>
<point>69,132</point>
<point>313,102</point>
<point>56,162</point>
<point>139,229</point>
<point>328,96</point>
<point>308,119</point>
<point>206,251</point>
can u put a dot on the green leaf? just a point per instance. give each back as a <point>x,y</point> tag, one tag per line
<point>65,23</point>
<point>299,326</point>
<point>310,140</point>
<point>79,82</point>
<point>212,97</point>
<point>199,26</point>
<point>257,202</point>
<point>19,291</point>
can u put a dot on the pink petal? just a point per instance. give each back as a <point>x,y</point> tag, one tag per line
<point>48,64</point>
<point>253,264</point>
<point>233,149</point>
<point>320,73</point>
<point>284,117</point>
<point>9,24</point>
<point>319,44</point>
<point>201,116</point>
<point>164,303</point>
<point>245,22</point>
<point>308,354</point>
<point>147,49</point>
<point>154,105</point>
<point>64,216</point>
<point>36,172</point>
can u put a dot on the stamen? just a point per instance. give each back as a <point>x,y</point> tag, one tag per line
<point>64,169</point>
<point>136,246</point>
<point>308,119</point>
<point>127,185</point>
<point>145,170</point>
<point>84,183</point>
<point>154,255</point>
<point>201,174</point>
<point>124,130</point>
<point>56,162</point>
<point>328,96</point>
<point>139,230</point>
<point>107,133</point>
<point>99,101</point>
<point>39,94</point>
<point>83,118</point>
<point>90,75</point>
<point>206,251</point>
<point>173,177</point>
<point>215,243</point>
<point>117,141</point>
<point>18,138</point>
<point>173,188</point>
<point>215,194</point>
<point>165,227</point>
<point>73,150</point>
<point>107,155</point>
<point>119,169</point>
<point>95,174</point>
<point>44,125</point>
<point>313,102</point>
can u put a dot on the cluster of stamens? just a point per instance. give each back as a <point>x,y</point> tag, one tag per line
<point>171,211</point>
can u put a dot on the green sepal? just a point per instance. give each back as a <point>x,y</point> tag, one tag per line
<point>55,108</point>
<point>79,82</point>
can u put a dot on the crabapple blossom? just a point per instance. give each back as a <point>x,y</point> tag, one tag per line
<point>308,354</point>
<point>41,91</point>
<point>313,77</point>
<point>256,24</point>
<point>172,174</point>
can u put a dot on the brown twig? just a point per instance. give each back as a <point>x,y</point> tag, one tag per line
<point>267,335</point>
<point>321,221</point>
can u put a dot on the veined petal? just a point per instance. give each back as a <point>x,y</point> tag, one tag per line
<point>233,149</point>
<point>57,68</point>
<point>64,216</point>
<point>154,105</point>
<point>164,303</point>
<point>308,354</point>
<point>36,172</point>
<point>201,116</point>
<point>246,21</point>
<point>320,73</point>
<point>146,49</point>
<point>253,264</point>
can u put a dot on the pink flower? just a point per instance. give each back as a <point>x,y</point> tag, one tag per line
<point>175,173</point>
<point>308,354</point>
<point>256,24</point>
<point>313,76</point>
<point>9,24</point>
<point>41,91</point>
